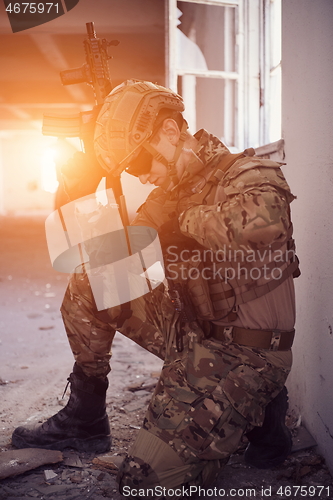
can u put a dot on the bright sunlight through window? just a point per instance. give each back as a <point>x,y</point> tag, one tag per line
<point>48,170</point>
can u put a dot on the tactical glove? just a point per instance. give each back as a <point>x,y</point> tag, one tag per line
<point>170,234</point>
<point>81,175</point>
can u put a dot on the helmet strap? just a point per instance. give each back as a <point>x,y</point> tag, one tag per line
<point>171,165</point>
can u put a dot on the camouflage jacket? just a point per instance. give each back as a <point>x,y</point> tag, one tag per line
<point>246,207</point>
<point>243,210</point>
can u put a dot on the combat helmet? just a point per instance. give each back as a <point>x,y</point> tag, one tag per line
<point>126,123</point>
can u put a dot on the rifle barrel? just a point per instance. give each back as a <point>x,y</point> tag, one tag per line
<point>91,30</point>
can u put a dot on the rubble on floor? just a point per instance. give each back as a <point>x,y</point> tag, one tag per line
<point>86,476</point>
<point>15,462</point>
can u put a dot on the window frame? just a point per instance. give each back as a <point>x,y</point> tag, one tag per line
<point>172,72</point>
<point>253,67</point>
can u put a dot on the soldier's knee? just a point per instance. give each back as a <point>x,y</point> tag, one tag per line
<point>134,475</point>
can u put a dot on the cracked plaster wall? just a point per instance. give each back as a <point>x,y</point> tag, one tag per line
<point>307,69</point>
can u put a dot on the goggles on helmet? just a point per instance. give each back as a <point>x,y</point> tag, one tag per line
<point>141,164</point>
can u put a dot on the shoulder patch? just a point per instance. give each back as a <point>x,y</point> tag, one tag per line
<point>249,163</point>
<point>249,173</point>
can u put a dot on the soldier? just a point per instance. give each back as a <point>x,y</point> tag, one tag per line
<point>224,324</point>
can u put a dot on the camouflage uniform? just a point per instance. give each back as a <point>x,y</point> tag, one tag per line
<point>210,392</point>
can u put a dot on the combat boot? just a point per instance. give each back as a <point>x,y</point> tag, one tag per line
<point>270,444</point>
<point>83,424</point>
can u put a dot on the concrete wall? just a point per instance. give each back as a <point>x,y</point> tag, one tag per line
<point>307,69</point>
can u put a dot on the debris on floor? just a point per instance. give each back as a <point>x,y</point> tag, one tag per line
<point>15,462</point>
<point>302,439</point>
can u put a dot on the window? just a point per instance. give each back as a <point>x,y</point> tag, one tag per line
<point>273,40</point>
<point>224,58</point>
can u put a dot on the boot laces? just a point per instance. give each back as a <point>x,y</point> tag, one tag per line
<point>68,382</point>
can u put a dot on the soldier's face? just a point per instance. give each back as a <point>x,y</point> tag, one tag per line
<point>157,174</point>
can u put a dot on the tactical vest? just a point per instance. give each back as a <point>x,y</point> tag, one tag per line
<point>217,286</point>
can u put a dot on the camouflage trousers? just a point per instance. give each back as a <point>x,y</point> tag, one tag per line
<point>207,396</point>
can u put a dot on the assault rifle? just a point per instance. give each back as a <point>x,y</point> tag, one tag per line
<point>94,72</point>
